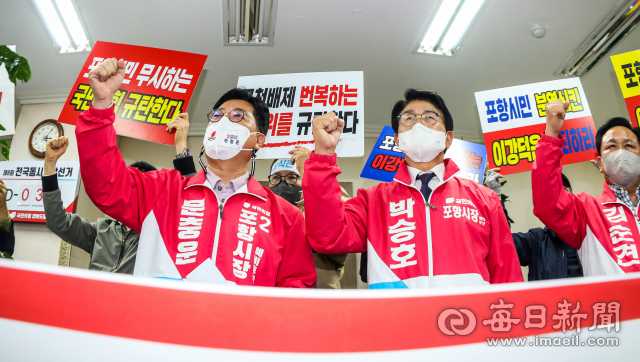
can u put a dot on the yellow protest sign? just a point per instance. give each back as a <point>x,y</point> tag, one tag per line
<point>627,68</point>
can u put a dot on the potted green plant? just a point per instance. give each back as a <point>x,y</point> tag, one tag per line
<point>18,69</point>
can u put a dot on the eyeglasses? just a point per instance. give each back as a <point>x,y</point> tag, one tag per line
<point>428,118</point>
<point>291,179</point>
<point>235,116</point>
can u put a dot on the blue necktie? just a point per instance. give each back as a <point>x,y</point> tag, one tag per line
<point>424,189</point>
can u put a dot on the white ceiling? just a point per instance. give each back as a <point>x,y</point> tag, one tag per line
<point>376,37</point>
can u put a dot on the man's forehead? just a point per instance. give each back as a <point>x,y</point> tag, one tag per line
<point>237,103</point>
<point>284,173</point>
<point>620,134</point>
<point>420,105</point>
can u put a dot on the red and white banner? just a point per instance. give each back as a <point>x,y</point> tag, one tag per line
<point>157,86</point>
<point>55,313</point>
<point>24,188</point>
<point>295,99</point>
<point>513,120</point>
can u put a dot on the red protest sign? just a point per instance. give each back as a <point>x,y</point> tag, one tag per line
<point>633,106</point>
<point>157,86</point>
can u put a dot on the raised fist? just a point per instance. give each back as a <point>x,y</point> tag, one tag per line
<point>298,157</point>
<point>56,148</point>
<point>556,111</point>
<point>326,133</point>
<point>105,79</point>
<point>181,125</point>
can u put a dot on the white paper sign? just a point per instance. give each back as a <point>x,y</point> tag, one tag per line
<point>7,101</point>
<point>295,99</point>
<point>513,120</point>
<point>24,188</point>
<point>524,105</point>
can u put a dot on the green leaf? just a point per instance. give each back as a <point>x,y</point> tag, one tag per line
<point>503,182</point>
<point>5,153</point>
<point>17,66</point>
<point>5,255</point>
<point>7,53</point>
<point>23,72</point>
<point>2,128</point>
<point>5,143</point>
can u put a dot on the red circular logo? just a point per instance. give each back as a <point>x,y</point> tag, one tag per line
<point>452,321</point>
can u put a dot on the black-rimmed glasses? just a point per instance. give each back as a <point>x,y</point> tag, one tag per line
<point>428,118</point>
<point>291,179</point>
<point>235,116</point>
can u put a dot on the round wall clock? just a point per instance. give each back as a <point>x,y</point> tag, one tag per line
<point>44,131</point>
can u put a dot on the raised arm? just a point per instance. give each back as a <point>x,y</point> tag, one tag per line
<point>333,226</point>
<point>502,261</point>
<point>183,161</point>
<point>558,209</point>
<point>297,269</point>
<point>71,228</point>
<point>7,236</point>
<point>121,192</point>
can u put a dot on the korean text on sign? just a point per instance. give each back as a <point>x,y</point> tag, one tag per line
<point>295,99</point>
<point>627,69</point>
<point>513,121</point>
<point>157,86</point>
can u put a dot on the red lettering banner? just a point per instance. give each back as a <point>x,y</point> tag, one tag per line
<point>124,317</point>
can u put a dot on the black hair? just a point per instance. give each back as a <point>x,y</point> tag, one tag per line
<point>613,122</point>
<point>260,109</point>
<point>421,95</point>
<point>636,130</point>
<point>143,166</point>
<point>566,184</point>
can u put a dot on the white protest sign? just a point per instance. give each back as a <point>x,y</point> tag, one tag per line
<point>24,188</point>
<point>295,99</point>
<point>513,120</point>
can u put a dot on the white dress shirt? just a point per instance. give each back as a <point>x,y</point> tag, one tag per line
<point>437,180</point>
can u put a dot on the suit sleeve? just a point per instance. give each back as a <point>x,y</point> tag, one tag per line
<point>559,210</point>
<point>71,228</point>
<point>297,269</point>
<point>524,243</point>
<point>502,260</point>
<point>122,192</point>
<point>333,226</point>
<point>185,166</point>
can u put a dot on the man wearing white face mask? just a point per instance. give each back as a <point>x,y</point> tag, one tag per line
<point>427,228</point>
<point>604,229</point>
<point>218,226</point>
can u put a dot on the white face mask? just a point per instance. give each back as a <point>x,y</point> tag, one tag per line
<point>224,139</point>
<point>622,167</point>
<point>421,143</point>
